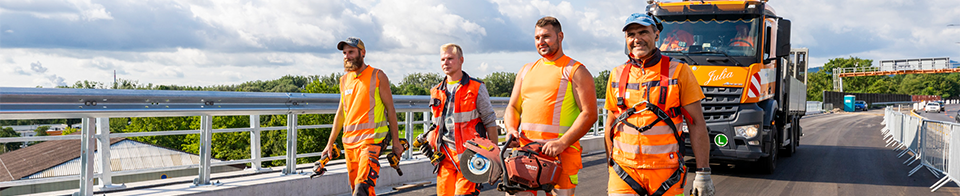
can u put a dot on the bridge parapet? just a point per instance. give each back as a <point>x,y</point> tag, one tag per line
<point>95,106</point>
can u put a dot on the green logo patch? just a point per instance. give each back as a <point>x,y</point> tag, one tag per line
<point>720,140</point>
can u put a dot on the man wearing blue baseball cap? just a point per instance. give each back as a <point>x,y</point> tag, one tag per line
<point>649,95</point>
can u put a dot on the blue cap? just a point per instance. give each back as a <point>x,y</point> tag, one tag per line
<point>637,18</point>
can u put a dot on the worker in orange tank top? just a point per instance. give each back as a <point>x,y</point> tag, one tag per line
<point>366,115</point>
<point>553,103</point>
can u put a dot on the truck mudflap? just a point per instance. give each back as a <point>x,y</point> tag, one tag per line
<point>725,145</point>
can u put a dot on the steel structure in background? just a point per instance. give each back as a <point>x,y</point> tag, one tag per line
<point>925,140</point>
<point>96,106</point>
<point>895,67</point>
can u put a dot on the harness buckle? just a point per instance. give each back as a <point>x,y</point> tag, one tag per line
<point>620,103</point>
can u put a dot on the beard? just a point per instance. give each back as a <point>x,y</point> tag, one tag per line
<point>353,64</point>
<point>550,50</point>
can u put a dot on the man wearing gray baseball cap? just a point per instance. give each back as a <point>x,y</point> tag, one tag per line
<point>648,96</point>
<point>366,107</point>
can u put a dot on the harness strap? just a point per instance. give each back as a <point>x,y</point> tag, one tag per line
<point>621,88</point>
<point>677,176</point>
<point>664,80</point>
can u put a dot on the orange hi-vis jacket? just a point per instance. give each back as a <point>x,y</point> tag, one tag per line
<point>546,100</point>
<point>742,41</point>
<point>365,120</point>
<point>466,117</point>
<point>656,148</point>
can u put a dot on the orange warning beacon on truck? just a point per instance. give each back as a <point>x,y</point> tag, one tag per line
<point>739,52</point>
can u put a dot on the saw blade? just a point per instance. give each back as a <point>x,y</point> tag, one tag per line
<point>474,167</point>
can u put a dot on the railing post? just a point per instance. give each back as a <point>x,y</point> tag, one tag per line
<point>86,155</point>
<point>206,132</point>
<point>291,167</point>
<point>255,143</point>
<point>596,124</point>
<point>103,151</point>
<point>408,134</point>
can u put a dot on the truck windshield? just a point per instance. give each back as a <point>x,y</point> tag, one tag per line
<point>735,38</point>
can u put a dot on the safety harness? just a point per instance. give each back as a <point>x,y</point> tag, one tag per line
<point>626,112</point>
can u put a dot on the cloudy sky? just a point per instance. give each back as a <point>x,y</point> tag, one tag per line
<point>209,42</point>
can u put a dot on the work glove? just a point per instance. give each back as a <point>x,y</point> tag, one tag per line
<point>702,185</point>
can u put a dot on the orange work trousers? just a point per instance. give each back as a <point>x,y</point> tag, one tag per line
<point>451,182</point>
<point>650,179</point>
<point>363,167</point>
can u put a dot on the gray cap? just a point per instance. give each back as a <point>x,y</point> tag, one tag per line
<point>352,41</point>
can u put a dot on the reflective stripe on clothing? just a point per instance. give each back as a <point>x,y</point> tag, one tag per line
<point>363,126</point>
<point>645,149</point>
<point>462,117</point>
<point>544,128</point>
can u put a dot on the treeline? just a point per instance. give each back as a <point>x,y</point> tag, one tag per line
<point>944,84</point>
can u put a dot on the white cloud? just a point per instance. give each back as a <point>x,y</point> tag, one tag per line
<point>19,71</point>
<point>72,10</point>
<point>217,42</point>
<point>422,26</point>
<point>38,67</point>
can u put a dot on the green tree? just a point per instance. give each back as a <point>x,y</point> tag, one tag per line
<point>154,124</point>
<point>418,83</point>
<point>41,130</point>
<point>69,130</point>
<point>500,84</point>
<point>600,83</point>
<point>7,147</point>
<point>818,82</point>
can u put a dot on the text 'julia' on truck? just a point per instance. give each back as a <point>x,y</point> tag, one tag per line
<point>740,53</point>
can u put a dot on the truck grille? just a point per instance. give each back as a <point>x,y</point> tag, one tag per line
<point>721,103</point>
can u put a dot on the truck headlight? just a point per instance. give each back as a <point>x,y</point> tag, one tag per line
<point>748,131</point>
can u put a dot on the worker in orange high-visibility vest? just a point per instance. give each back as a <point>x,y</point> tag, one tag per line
<point>365,114</point>
<point>461,111</point>
<point>743,38</point>
<point>648,96</point>
<point>553,103</point>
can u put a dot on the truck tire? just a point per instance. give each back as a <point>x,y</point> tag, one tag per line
<point>792,147</point>
<point>768,164</point>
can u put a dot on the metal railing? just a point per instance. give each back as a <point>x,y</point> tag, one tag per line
<point>928,141</point>
<point>96,106</point>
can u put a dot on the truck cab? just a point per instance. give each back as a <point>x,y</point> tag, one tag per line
<point>739,52</point>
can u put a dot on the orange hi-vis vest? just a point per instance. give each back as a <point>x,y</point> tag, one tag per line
<point>465,117</point>
<point>364,114</point>
<point>742,41</point>
<point>657,147</point>
<point>546,100</point>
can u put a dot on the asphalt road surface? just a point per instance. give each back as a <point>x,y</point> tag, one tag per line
<point>840,154</point>
<point>946,116</point>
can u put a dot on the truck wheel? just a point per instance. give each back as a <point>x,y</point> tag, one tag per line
<point>768,164</point>
<point>792,147</point>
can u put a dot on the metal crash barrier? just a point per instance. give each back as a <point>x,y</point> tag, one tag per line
<point>95,106</point>
<point>927,141</point>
